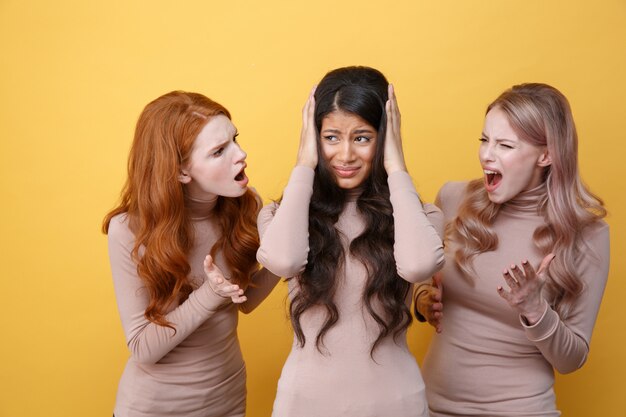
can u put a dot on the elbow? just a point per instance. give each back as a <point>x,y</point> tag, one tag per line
<point>144,358</point>
<point>281,265</point>
<point>568,368</point>
<point>142,354</point>
<point>246,308</point>
<point>417,270</point>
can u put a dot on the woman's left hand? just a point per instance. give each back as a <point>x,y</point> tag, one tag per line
<point>220,285</point>
<point>394,156</point>
<point>525,286</point>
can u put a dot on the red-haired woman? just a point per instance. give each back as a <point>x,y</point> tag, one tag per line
<point>508,326</point>
<point>186,197</point>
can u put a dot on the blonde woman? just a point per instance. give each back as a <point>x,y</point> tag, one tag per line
<point>527,257</point>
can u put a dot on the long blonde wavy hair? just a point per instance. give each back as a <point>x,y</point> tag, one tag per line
<point>541,116</point>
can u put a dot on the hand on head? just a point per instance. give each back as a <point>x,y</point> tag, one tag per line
<point>307,153</point>
<point>394,155</point>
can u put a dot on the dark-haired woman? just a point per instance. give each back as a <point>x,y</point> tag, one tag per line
<point>186,196</point>
<point>527,262</point>
<point>353,235</point>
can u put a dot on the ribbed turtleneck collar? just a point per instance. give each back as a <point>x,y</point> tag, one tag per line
<point>527,201</point>
<point>353,194</point>
<point>200,209</point>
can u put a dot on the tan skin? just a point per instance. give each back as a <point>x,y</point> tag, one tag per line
<point>394,156</point>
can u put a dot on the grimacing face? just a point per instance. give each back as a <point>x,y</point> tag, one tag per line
<point>348,145</point>
<point>510,164</point>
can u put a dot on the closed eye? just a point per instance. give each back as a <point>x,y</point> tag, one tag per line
<point>218,152</point>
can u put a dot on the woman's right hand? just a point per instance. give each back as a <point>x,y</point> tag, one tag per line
<point>220,285</point>
<point>307,153</point>
<point>428,302</point>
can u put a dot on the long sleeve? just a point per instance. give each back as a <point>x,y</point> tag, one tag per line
<point>261,285</point>
<point>418,248</point>
<point>147,341</point>
<point>565,343</point>
<point>284,229</point>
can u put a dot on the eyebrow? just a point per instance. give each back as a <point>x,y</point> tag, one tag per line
<point>357,131</point>
<point>219,145</point>
<point>496,139</point>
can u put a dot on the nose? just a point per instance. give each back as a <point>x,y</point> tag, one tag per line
<point>346,153</point>
<point>240,154</point>
<point>485,152</point>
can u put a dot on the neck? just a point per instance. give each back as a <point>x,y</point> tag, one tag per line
<point>200,208</point>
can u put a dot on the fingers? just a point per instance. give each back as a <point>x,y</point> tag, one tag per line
<point>545,263</point>
<point>308,111</point>
<point>509,279</point>
<point>219,284</point>
<point>505,294</point>
<point>394,155</point>
<point>211,271</point>
<point>307,152</point>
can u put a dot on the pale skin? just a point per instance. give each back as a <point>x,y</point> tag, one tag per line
<point>525,285</point>
<point>394,155</point>
<point>522,166</point>
<point>220,285</point>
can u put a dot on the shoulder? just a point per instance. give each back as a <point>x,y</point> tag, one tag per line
<point>596,235</point>
<point>450,196</point>
<point>119,226</point>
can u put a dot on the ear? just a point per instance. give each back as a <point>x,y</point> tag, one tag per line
<point>545,159</point>
<point>184,176</point>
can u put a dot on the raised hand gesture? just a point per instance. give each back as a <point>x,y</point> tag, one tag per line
<point>525,285</point>
<point>220,285</point>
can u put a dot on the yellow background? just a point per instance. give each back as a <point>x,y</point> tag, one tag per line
<point>74,76</point>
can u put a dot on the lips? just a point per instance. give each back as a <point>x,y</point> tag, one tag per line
<point>241,177</point>
<point>346,172</point>
<point>493,179</point>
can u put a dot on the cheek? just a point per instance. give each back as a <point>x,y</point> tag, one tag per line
<point>327,151</point>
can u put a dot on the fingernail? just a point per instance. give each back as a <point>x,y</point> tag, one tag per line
<point>525,262</point>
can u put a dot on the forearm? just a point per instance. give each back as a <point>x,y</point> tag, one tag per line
<point>285,234</point>
<point>261,285</point>
<point>418,249</point>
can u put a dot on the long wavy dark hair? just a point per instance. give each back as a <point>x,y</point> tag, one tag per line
<point>361,91</point>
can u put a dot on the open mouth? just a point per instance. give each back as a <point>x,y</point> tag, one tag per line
<point>241,176</point>
<point>492,179</point>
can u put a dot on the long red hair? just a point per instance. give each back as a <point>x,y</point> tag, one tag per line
<point>154,200</point>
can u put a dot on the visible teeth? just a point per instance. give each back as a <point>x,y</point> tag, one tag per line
<point>486,171</point>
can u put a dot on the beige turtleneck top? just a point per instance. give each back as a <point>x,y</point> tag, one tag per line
<point>199,370</point>
<point>345,380</point>
<point>486,361</point>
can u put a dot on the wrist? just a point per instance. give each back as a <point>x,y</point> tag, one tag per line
<point>395,166</point>
<point>532,316</point>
